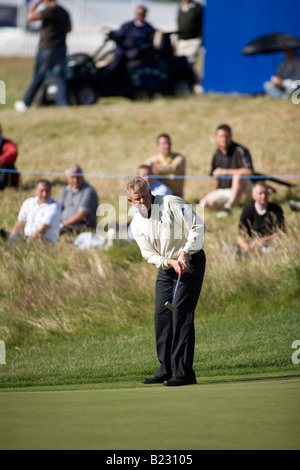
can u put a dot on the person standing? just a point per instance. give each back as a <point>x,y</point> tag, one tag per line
<point>190,28</point>
<point>170,236</point>
<point>52,48</point>
<point>8,156</point>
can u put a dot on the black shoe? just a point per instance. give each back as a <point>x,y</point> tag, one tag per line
<point>174,382</point>
<point>154,380</point>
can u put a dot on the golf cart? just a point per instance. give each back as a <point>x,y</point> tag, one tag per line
<point>87,77</point>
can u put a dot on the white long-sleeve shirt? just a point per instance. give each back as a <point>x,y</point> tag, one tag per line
<point>173,227</point>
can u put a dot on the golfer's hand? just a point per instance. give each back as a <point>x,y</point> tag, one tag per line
<point>176,265</point>
<point>183,262</point>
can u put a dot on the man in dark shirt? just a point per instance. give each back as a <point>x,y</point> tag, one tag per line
<point>51,52</point>
<point>190,24</point>
<point>134,40</point>
<point>260,221</point>
<point>190,19</point>
<point>231,163</point>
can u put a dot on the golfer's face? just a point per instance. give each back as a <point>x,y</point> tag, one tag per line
<point>142,200</point>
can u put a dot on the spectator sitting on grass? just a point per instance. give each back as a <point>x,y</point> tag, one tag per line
<point>168,163</point>
<point>260,222</point>
<point>39,216</point>
<point>282,84</point>
<point>157,187</point>
<point>233,162</point>
<point>79,203</point>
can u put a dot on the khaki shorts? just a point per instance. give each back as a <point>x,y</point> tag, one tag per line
<point>221,196</point>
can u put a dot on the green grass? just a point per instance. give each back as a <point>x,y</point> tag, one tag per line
<point>257,415</point>
<point>78,326</point>
<point>226,349</point>
<point>88,317</point>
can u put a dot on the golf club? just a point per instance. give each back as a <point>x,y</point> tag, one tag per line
<point>167,304</point>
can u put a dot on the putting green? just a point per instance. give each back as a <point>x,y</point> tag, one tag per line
<point>247,415</point>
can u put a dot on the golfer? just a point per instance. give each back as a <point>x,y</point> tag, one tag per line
<point>171,237</point>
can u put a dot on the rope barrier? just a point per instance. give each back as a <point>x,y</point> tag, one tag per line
<point>97,175</point>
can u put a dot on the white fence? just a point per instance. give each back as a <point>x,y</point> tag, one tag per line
<point>88,17</point>
<point>16,42</point>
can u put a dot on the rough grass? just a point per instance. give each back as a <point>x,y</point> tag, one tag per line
<point>75,299</point>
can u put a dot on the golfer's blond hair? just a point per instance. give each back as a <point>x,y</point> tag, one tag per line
<point>135,184</point>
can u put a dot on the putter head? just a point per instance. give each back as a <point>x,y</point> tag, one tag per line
<point>170,306</point>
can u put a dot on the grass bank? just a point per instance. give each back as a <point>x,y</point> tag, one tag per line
<point>88,319</point>
<point>72,317</point>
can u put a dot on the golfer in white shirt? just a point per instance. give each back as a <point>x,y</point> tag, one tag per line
<point>39,216</point>
<point>170,236</point>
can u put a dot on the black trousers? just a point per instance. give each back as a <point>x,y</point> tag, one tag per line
<point>175,331</point>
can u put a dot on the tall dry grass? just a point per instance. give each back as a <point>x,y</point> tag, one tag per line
<point>60,290</point>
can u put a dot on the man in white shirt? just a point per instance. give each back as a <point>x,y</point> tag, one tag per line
<point>39,216</point>
<point>171,237</point>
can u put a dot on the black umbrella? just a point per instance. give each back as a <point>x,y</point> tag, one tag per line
<point>273,42</point>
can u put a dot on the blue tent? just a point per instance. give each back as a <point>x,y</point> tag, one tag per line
<point>228,27</point>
